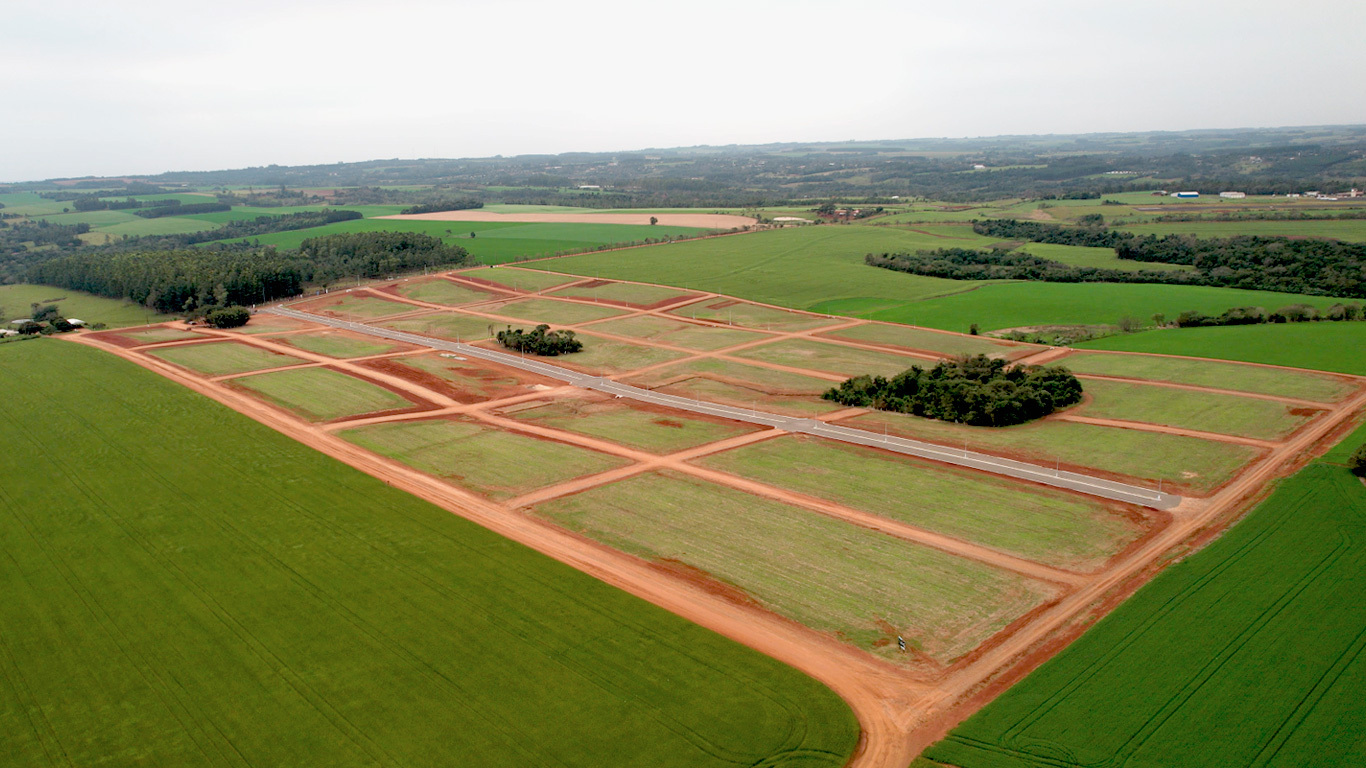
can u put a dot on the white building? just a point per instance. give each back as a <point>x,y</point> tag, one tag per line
<point>1233,195</point>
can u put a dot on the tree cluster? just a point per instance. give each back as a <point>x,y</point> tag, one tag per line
<point>540,341</point>
<point>177,208</point>
<point>1357,461</point>
<point>325,260</point>
<point>227,317</point>
<point>1294,313</point>
<point>464,204</point>
<point>1034,232</point>
<point>975,390</point>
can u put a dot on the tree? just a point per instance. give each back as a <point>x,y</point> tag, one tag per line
<point>654,220</point>
<point>1159,319</point>
<point>228,317</point>
<point>29,328</point>
<point>1128,324</point>
<point>43,313</point>
<point>1357,462</point>
<point>973,329</point>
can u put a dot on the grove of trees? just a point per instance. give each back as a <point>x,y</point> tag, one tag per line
<point>540,341</point>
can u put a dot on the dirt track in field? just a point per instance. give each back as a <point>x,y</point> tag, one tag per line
<point>901,709</point>
<point>699,220</point>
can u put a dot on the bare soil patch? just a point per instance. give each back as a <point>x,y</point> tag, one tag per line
<point>699,220</point>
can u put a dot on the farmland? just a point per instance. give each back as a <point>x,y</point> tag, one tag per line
<point>1249,417</point>
<point>657,432</point>
<point>338,344</point>
<point>240,606</point>
<point>223,357</point>
<point>15,301</point>
<point>1337,347</point>
<point>319,394</point>
<point>1242,378</point>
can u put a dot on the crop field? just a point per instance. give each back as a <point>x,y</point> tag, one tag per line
<point>658,431</point>
<point>1351,230</point>
<point>677,333</point>
<point>1197,669</point>
<point>1336,347</point>
<point>745,386</point>
<point>358,306</point>
<point>554,312</point>
<point>340,344</point>
<point>813,355</point>
<point>1197,465</point>
<point>605,356</point>
<point>156,335</point>
<point>825,573</point>
<point>15,301</point>
<point>448,325</point>
<point>923,340</point>
<point>1242,378</point>
<point>295,588</point>
<point>1205,411</point>
<point>441,291</point>
<point>320,394</point>
<point>500,465</point>
<point>218,358</point>
<point>629,293</point>
<point>1043,525</point>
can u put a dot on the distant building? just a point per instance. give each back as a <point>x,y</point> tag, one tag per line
<point>978,167</point>
<point>21,321</point>
<point>1233,195</point>
<point>1185,194</point>
<point>7,332</point>
<point>590,186</point>
<point>74,321</point>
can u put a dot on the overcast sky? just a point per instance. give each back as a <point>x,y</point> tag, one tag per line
<point>108,88</point>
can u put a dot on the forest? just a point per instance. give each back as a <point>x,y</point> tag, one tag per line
<point>976,390</point>
<point>540,341</point>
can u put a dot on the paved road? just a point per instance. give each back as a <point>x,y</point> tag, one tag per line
<point>1093,486</point>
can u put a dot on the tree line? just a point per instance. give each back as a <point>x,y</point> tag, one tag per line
<point>177,208</point>
<point>976,390</point>
<point>463,204</point>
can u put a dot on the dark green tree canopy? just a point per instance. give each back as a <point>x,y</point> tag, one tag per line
<point>540,341</point>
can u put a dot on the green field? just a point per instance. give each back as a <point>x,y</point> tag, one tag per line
<point>157,334</point>
<point>206,591</point>
<point>1337,347</point>
<point>319,394</point>
<point>747,315</point>
<point>521,279</point>
<point>1048,526</point>
<point>448,325</point>
<point>220,358</point>
<point>1100,258</point>
<point>815,355</point>
<point>495,463</point>
<point>1248,653</point>
<point>1240,378</point>
<point>860,585</point>
<point>1208,412</point>
<point>1180,462</point>
<point>644,295</point>
<point>554,312</point>
<point>359,306</point>
<point>338,344</point>
<point>606,356</point>
<point>676,332</point>
<point>931,341</point>
<point>741,385</point>
<point>16,301</point>
<point>620,422</point>
<point>1352,230</point>
<point>441,291</point>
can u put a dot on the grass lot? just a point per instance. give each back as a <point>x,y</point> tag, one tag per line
<point>1048,526</point>
<point>448,325</point>
<point>1198,466</point>
<point>1228,414</point>
<point>1100,258</point>
<point>1201,671</point>
<point>1337,347</point>
<point>15,301</point>
<point>441,291</point>
<point>644,295</point>
<point>621,422</point>
<point>1353,230</point>
<point>522,279</point>
<point>930,341</point>
<point>745,386</point>
<point>677,332</point>
<point>554,312</point>
<point>338,344</point>
<point>320,394</point>
<point>165,606</point>
<point>356,307</point>
<point>159,334</point>
<point>497,464</point>
<point>832,358</point>
<point>220,358</point>
<point>748,315</point>
<point>604,356</point>
<point>1242,378</point>
<point>860,585</point>
<point>472,380</point>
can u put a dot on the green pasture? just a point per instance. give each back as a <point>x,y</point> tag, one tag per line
<point>338,344</point>
<point>862,586</point>
<point>158,334</point>
<point>16,301</point>
<point>1100,258</point>
<point>190,587</point>
<point>630,293</point>
<point>1048,526</point>
<point>486,460</point>
<point>448,325</point>
<point>813,355</point>
<point>1205,411</point>
<point>554,312</point>
<point>1178,462</point>
<point>1248,653</point>
<point>608,356</point>
<point>31,204</point>
<point>931,341</point>
<point>439,290</point>
<point>676,332</point>
<point>520,279</point>
<point>1241,378</point>
<point>359,306</point>
<point>320,394</point>
<point>1324,346</point>
<point>220,358</point>
<point>621,422</point>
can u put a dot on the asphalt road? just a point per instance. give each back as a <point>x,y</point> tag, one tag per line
<point>1094,486</point>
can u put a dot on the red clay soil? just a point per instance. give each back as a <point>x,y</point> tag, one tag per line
<point>482,371</point>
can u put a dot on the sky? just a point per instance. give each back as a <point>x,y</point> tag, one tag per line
<point>101,88</point>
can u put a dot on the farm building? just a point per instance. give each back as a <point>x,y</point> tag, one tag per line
<point>74,321</point>
<point>1185,194</point>
<point>7,332</point>
<point>1233,195</point>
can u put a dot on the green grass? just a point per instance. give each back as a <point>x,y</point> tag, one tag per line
<point>1043,525</point>
<point>554,312</point>
<point>521,279</point>
<point>359,306</point>
<point>497,464</point>
<point>931,341</point>
<point>223,357</point>
<point>1248,653</point>
<point>1240,378</point>
<point>15,301</point>
<point>441,291</point>
<point>1195,465</point>
<point>745,315</point>
<point>448,325</point>
<point>158,334</point>
<point>1352,230</point>
<point>676,332</point>
<point>815,355</point>
<point>1337,347</point>
<point>644,295</point>
<point>337,344</point>
<point>200,586</point>
<point>319,394</point>
<point>605,356</point>
<point>621,422</point>
<point>1227,414</point>
<point>1100,258</point>
<point>860,585</point>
